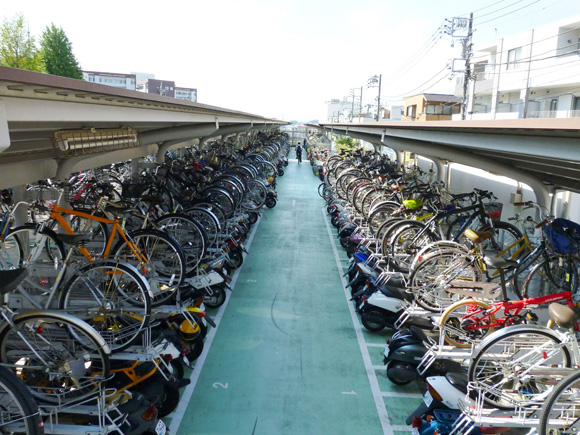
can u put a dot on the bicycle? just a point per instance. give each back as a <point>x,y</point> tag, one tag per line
<point>19,411</point>
<point>111,296</point>
<point>440,266</point>
<point>518,366</point>
<point>59,357</point>
<point>472,318</point>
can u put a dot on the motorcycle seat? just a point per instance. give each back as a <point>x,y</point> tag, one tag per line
<point>458,380</point>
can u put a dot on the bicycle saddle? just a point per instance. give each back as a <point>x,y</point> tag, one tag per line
<point>498,262</point>
<point>9,279</point>
<point>562,315</point>
<point>72,239</point>
<point>477,236</point>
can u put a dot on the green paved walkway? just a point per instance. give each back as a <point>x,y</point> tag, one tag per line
<point>285,358</point>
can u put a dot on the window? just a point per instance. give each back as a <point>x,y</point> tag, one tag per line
<point>513,57</point>
<point>412,111</point>
<point>553,104</point>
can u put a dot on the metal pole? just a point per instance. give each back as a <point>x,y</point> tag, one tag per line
<point>467,57</point>
<point>379,99</point>
<point>360,105</point>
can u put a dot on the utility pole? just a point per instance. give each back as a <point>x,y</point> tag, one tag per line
<point>379,99</point>
<point>467,56</point>
<point>352,105</point>
<point>360,105</point>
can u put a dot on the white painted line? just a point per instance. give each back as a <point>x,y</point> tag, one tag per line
<point>383,367</point>
<point>373,381</point>
<point>401,428</point>
<point>177,415</point>
<point>397,394</point>
<point>382,346</point>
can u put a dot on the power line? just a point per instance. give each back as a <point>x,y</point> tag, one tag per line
<point>509,13</point>
<point>485,56</point>
<point>481,9</point>
<point>501,9</point>
<point>527,14</point>
<point>418,87</point>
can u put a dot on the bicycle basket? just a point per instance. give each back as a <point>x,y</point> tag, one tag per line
<point>494,210</point>
<point>559,233</point>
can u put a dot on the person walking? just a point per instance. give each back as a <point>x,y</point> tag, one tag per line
<point>299,153</point>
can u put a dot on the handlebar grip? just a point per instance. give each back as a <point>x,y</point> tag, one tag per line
<point>541,224</point>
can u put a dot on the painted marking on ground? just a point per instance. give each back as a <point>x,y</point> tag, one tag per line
<point>408,395</point>
<point>382,346</point>
<point>219,384</point>
<point>374,383</point>
<point>349,392</point>
<point>179,412</point>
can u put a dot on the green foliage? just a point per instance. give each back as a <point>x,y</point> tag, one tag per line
<point>57,53</point>
<point>346,143</point>
<point>17,48</point>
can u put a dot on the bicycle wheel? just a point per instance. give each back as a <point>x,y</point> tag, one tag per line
<point>111,297</point>
<point>190,235</point>
<point>429,277</point>
<point>60,358</point>
<point>551,276</point>
<point>98,231</point>
<point>512,366</point>
<point>456,318</point>
<point>209,220</point>
<point>164,266</point>
<point>256,195</point>
<point>561,411</point>
<point>18,410</point>
<point>505,240</point>
<point>39,251</point>
<point>405,242</point>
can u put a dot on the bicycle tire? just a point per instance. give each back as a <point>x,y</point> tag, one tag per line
<point>562,407</point>
<point>191,236</point>
<point>453,323</point>
<point>402,249</point>
<point>165,269</point>
<point>551,276</point>
<point>499,364</point>
<point>19,411</point>
<point>113,298</point>
<point>47,334</point>
<point>428,278</point>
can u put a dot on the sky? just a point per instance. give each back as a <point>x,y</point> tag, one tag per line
<point>278,58</point>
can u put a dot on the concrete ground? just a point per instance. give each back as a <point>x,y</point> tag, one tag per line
<point>289,355</point>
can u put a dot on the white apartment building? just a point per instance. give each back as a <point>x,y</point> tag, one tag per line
<point>535,74</point>
<point>124,81</point>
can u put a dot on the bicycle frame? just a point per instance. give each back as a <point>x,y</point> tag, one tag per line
<point>57,214</point>
<point>511,309</point>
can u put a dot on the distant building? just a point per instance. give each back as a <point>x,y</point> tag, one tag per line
<point>430,107</point>
<point>124,81</point>
<point>165,88</point>
<point>142,82</point>
<point>187,94</point>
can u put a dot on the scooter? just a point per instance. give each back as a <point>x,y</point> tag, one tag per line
<point>440,409</point>
<point>383,305</point>
<point>406,349</point>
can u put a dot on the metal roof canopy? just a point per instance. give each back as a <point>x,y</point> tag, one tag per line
<point>542,153</point>
<point>33,106</point>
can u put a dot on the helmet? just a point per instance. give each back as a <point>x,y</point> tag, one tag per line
<point>188,330</point>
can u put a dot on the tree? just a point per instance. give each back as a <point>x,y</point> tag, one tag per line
<point>346,143</point>
<point>57,53</point>
<point>17,48</point>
